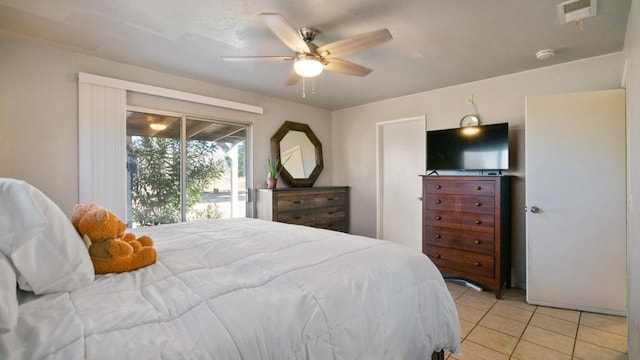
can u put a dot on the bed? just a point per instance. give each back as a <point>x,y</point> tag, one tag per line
<point>221,289</point>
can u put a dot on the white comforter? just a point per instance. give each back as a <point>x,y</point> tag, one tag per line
<point>248,289</point>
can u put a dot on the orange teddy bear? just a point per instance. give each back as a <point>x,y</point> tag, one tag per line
<point>111,250</point>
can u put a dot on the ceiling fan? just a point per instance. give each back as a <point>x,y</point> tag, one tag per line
<point>309,59</point>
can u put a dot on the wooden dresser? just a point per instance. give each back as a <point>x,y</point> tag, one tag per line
<point>321,207</point>
<point>466,227</point>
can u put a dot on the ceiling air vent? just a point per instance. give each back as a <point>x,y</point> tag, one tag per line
<point>573,10</point>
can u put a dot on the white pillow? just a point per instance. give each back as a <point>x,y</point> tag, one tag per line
<point>8,299</point>
<point>46,251</point>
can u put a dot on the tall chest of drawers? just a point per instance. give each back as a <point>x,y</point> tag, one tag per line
<point>466,226</point>
<point>321,207</point>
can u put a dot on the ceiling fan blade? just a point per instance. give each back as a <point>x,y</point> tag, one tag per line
<point>345,67</point>
<point>293,78</point>
<point>355,43</point>
<point>259,58</point>
<point>285,32</point>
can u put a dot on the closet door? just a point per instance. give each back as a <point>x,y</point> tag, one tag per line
<point>400,161</point>
<point>575,196</point>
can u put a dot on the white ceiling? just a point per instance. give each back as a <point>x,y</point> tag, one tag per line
<point>436,43</point>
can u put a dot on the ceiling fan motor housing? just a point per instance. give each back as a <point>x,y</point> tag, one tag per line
<point>308,34</point>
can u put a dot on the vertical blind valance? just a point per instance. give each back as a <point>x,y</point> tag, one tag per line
<point>102,149</point>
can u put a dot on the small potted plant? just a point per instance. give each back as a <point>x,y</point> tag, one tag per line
<point>274,169</point>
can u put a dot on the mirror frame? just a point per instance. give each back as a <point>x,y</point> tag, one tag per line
<point>275,154</point>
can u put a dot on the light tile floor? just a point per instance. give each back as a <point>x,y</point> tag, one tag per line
<point>509,328</point>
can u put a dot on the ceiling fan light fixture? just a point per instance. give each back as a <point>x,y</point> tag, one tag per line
<point>307,65</point>
<point>158,126</point>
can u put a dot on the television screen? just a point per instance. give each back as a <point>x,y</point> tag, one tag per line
<point>469,148</point>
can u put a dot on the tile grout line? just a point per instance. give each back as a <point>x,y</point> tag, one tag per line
<point>599,329</point>
<point>478,324</point>
<point>523,331</point>
<point>474,326</point>
<point>461,339</point>
<point>485,313</point>
<point>527,325</point>
<point>575,339</point>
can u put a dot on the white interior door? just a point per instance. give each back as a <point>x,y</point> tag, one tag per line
<point>401,159</point>
<point>575,179</point>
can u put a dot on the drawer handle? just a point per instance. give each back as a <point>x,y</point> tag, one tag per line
<point>438,236</point>
<point>477,264</point>
<point>331,212</point>
<point>298,217</point>
<point>297,201</point>
<point>478,242</point>
<point>438,187</point>
<point>478,204</point>
<point>330,199</point>
<point>438,201</point>
<point>478,187</point>
<point>438,218</point>
<point>437,256</point>
<point>478,222</point>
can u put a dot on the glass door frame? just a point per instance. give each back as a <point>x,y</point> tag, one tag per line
<point>183,154</point>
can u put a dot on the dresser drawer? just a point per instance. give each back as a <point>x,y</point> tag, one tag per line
<point>478,187</point>
<point>462,203</point>
<point>327,213</point>
<point>300,217</point>
<point>478,242</point>
<point>333,224</point>
<point>460,221</point>
<point>331,199</point>
<point>322,207</point>
<point>466,227</point>
<point>295,202</point>
<point>460,261</point>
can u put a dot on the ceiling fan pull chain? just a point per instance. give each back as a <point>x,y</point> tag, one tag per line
<point>313,86</point>
<point>304,95</point>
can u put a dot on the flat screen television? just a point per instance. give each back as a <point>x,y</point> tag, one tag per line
<point>470,148</point>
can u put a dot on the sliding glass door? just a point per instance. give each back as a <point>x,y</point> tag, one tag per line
<point>184,168</point>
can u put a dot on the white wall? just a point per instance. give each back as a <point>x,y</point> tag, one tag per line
<point>498,100</point>
<point>39,114</point>
<point>632,53</point>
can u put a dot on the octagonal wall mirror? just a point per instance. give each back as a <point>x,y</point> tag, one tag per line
<point>299,152</point>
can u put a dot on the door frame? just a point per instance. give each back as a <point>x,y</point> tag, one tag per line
<point>380,165</point>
